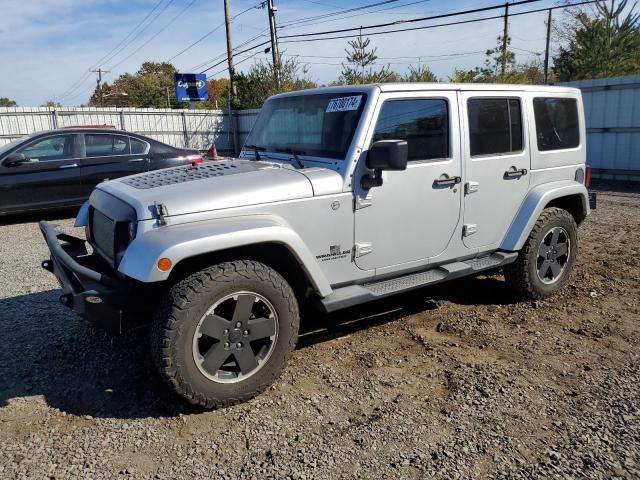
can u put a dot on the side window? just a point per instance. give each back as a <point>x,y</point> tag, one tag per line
<point>58,147</point>
<point>495,125</point>
<point>137,146</point>
<point>102,145</point>
<point>423,123</point>
<point>557,124</point>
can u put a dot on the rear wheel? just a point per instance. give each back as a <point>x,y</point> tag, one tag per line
<point>225,333</point>
<point>544,264</point>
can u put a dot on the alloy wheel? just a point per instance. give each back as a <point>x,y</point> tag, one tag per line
<point>235,337</point>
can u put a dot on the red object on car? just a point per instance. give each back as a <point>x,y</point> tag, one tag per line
<point>587,177</point>
<point>195,158</point>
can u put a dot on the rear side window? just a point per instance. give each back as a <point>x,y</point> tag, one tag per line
<point>495,126</point>
<point>557,125</point>
<point>423,123</point>
<point>104,145</point>
<point>138,146</point>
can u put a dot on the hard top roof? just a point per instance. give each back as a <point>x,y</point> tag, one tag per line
<point>416,87</point>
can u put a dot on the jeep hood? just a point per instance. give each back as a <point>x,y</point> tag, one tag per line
<point>219,185</point>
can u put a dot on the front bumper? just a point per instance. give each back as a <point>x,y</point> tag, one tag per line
<point>89,287</point>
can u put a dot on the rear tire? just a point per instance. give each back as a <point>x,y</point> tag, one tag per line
<point>224,334</point>
<point>545,262</point>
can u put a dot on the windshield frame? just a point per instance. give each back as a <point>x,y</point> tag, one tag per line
<point>277,150</point>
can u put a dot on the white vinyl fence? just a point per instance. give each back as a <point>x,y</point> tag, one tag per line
<point>180,128</point>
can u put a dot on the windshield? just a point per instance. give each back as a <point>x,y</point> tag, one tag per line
<point>319,125</point>
<point>8,146</point>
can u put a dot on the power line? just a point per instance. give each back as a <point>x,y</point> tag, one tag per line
<point>332,14</point>
<point>128,35</point>
<point>308,23</point>
<point>461,22</point>
<point>211,32</point>
<point>140,32</point>
<point>156,34</point>
<point>298,40</point>
<point>86,75</point>
<point>237,63</point>
<point>237,53</point>
<point>412,20</point>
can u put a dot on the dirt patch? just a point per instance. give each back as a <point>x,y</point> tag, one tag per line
<point>462,380</point>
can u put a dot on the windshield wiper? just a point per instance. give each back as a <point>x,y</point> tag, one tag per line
<point>295,154</point>
<point>256,150</point>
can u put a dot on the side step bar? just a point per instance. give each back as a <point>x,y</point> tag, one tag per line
<point>355,294</point>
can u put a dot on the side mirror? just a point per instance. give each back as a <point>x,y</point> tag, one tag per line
<point>385,155</point>
<point>15,159</point>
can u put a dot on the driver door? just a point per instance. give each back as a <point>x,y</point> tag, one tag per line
<point>413,215</point>
<point>49,178</point>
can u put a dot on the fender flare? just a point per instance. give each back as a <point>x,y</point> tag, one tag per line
<point>535,201</point>
<point>179,242</point>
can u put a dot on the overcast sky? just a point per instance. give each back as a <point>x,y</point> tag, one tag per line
<point>48,46</point>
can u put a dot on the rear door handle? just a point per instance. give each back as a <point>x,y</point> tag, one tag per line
<point>135,160</point>
<point>70,165</point>
<point>441,182</point>
<point>513,172</point>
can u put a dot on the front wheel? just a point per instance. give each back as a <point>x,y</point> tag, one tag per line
<point>546,259</point>
<point>225,333</point>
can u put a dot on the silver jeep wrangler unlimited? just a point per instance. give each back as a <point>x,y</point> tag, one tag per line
<point>340,196</point>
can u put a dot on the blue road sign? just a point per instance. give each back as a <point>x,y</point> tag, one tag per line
<point>191,87</point>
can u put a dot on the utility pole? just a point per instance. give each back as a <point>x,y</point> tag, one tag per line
<point>275,53</point>
<point>546,51</point>
<point>505,35</point>
<point>100,72</point>
<point>232,71</point>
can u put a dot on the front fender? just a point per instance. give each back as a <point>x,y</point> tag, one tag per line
<point>537,199</point>
<point>180,242</point>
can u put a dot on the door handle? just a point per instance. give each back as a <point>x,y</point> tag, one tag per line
<point>135,160</point>
<point>513,172</point>
<point>441,182</point>
<point>70,165</point>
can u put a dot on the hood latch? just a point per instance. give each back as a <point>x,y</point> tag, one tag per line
<point>160,211</point>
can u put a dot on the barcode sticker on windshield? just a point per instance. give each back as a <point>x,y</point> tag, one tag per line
<point>344,104</point>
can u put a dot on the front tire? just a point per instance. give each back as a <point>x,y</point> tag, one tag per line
<point>225,333</point>
<point>545,262</point>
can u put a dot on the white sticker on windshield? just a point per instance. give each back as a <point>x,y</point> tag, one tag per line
<point>344,104</point>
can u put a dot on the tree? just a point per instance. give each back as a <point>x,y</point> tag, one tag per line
<point>260,82</point>
<point>422,73</point>
<point>360,60</point>
<point>52,104</point>
<point>497,59</point>
<point>463,76</point>
<point>604,45</point>
<point>152,87</point>
<point>218,94</point>
<point>6,102</point>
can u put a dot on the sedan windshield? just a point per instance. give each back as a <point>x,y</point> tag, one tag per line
<point>320,125</point>
<point>8,146</point>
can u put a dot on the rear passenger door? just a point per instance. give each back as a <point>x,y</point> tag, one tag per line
<point>108,156</point>
<point>497,160</point>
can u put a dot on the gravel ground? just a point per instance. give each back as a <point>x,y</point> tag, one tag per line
<point>456,381</point>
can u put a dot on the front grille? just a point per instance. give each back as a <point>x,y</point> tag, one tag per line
<point>103,234</point>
